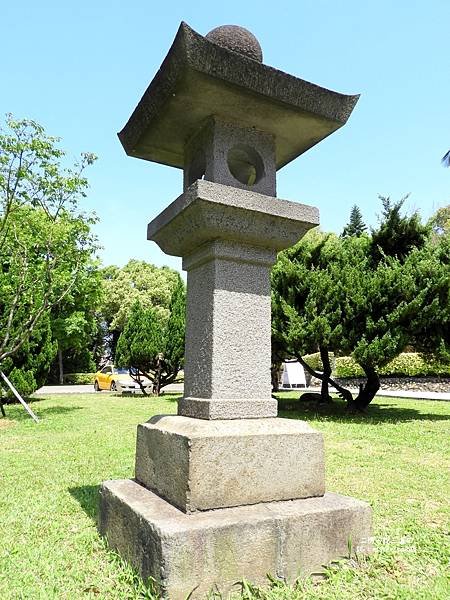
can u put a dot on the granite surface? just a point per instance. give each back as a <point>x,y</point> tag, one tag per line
<point>191,555</point>
<point>199,78</point>
<point>200,465</point>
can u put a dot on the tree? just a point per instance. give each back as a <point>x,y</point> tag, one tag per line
<point>152,344</point>
<point>75,323</point>
<point>356,225</point>
<point>137,281</point>
<point>331,295</point>
<point>45,241</point>
<point>397,234</point>
<point>175,330</point>
<point>440,221</point>
<point>306,315</point>
<point>429,274</point>
<point>27,369</point>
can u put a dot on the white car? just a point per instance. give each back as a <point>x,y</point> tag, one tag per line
<point>119,380</point>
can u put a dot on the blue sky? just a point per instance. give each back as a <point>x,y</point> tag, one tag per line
<point>80,67</point>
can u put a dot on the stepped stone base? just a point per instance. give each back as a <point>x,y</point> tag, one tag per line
<point>187,553</point>
<point>198,465</point>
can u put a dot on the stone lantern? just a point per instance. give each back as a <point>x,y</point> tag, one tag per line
<point>225,490</point>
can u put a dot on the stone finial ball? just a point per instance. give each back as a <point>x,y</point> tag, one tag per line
<point>237,39</point>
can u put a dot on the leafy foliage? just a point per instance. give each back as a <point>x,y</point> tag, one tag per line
<point>440,221</point>
<point>397,235</point>
<point>406,364</point>
<point>45,241</point>
<point>75,323</point>
<point>153,345</point>
<point>364,297</point>
<point>27,370</point>
<point>137,281</point>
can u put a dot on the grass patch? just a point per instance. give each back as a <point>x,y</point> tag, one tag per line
<point>395,457</point>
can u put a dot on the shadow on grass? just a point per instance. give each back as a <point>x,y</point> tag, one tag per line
<point>16,411</point>
<point>88,498</point>
<point>379,412</point>
<point>170,396</point>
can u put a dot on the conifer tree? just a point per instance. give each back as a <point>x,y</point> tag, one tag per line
<point>397,235</point>
<point>175,330</point>
<point>356,226</point>
<point>331,295</point>
<point>152,345</point>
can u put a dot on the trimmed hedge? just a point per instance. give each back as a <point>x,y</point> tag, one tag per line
<point>347,367</point>
<point>412,364</point>
<point>407,364</point>
<point>79,378</point>
<point>315,362</point>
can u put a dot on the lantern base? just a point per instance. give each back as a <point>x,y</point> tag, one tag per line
<point>189,555</point>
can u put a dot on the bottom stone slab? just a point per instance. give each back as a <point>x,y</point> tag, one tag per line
<point>217,548</point>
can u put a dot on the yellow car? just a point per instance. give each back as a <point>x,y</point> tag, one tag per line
<point>119,380</point>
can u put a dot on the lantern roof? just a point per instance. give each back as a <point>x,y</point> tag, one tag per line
<point>202,77</point>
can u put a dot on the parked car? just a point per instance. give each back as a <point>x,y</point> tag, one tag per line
<point>119,380</point>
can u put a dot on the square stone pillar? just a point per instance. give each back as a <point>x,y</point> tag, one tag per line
<point>228,238</point>
<point>228,334</point>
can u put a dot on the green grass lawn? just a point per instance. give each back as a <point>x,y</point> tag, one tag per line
<point>396,458</point>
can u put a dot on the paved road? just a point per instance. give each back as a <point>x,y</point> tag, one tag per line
<point>417,395</point>
<point>177,388</point>
<point>89,389</point>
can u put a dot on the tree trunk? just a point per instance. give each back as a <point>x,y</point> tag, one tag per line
<point>325,358</point>
<point>157,378</point>
<point>368,390</point>
<point>343,392</point>
<point>60,366</point>
<point>114,339</point>
<point>2,410</point>
<point>136,376</point>
<point>275,370</point>
<point>156,386</point>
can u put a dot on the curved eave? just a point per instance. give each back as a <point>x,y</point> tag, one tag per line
<point>198,78</point>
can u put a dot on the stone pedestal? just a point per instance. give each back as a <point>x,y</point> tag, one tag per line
<point>216,549</point>
<point>225,490</point>
<point>198,465</point>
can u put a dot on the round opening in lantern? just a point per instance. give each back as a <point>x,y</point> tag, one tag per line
<point>245,164</point>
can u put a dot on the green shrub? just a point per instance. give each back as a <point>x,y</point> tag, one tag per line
<point>407,364</point>
<point>413,365</point>
<point>347,367</point>
<point>23,381</point>
<point>315,362</point>
<point>79,378</point>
